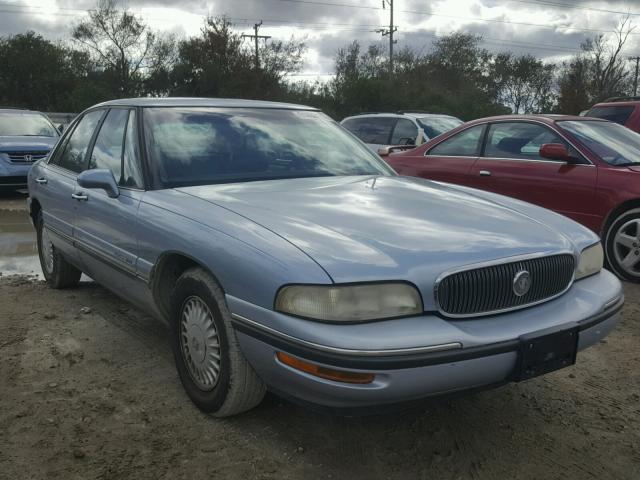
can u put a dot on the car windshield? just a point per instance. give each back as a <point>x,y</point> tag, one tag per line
<point>434,126</point>
<point>25,124</point>
<point>200,146</point>
<point>613,143</point>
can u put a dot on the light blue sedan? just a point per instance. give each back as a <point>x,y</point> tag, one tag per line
<point>287,256</point>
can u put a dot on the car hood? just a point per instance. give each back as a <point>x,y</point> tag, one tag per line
<point>19,143</point>
<point>383,228</point>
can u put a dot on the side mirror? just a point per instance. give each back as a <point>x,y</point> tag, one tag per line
<point>556,151</point>
<point>99,178</point>
<point>386,151</point>
<point>61,128</point>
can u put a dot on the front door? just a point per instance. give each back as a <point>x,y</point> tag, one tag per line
<point>105,228</point>
<point>511,165</point>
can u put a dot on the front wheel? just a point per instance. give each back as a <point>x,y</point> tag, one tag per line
<point>622,245</point>
<point>56,270</point>
<point>212,369</point>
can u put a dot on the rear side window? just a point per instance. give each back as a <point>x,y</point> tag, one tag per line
<point>619,114</point>
<point>375,130</point>
<point>404,133</point>
<point>464,144</point>
<point>73,154</point>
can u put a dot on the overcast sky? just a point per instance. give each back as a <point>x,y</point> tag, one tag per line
<point>550,29</point>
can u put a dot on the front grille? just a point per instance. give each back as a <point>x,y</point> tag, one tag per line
<point>491,289</point>
<point>26,157</point>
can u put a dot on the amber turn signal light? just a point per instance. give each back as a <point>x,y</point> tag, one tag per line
<point>324,372</point>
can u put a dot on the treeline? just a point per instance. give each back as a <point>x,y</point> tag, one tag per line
<point>113,53</point>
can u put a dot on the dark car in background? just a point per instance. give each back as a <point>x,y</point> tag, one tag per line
<point>622,110</point>
<point>584,168</point>
<point>25,137</point>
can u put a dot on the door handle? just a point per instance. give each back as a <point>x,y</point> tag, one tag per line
<point>485,173</point>
<point>41,180</point>
<point>79,196</point>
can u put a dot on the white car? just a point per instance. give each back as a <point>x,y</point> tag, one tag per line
<point>379,130</point>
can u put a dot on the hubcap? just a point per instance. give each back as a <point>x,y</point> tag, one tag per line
<point>626,247</point>
<point>200,343</point>
<point>47,251</point>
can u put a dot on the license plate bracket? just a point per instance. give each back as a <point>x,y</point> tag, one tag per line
<point>545,352</point>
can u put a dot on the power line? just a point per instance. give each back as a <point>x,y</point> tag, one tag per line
<point>431,14</point>
<point>576,7</point>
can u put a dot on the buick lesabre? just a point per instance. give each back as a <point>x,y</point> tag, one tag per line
<point>287,256</point>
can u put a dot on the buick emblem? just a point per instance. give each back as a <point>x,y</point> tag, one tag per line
<point>521,283</point>
<point>28,158</point>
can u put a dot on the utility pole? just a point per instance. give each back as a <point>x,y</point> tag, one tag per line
<point>635,79</point>
<point>390,31</point>
<point>256,37</point>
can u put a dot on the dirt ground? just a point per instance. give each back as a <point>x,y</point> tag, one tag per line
<point>88,390</point>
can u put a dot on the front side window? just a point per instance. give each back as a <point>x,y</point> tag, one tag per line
<point>373,130</point>
<point>618,114</point>
<point>404,133</point>
<point>73,154</point>
<point>613,143</point>
<point>204,145</point>
<point>131,170</point>
<point>25,124</point>
<point>519,140</point>
<point>107,151</point>
<point>463,144</point>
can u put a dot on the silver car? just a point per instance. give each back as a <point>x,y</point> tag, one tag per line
<point>287,256</point>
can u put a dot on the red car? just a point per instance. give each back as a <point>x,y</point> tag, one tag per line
<point>585,168</point>
<point>622,110</point>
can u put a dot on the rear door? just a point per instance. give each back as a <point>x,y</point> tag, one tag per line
<point>511,165</point>
<point>105,228</point>
<point>57,183</point>
<point>449,161</point>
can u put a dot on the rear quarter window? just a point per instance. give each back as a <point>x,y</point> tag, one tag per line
<point>618,114</point>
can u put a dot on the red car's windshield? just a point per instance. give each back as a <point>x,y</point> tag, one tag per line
<point>613,143</point>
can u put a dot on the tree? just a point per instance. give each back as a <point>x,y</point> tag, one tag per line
<point>218,63</point>
<point>598,72</point>
<point>524,83</point>
<point>122,44</point>
<point>42,75</point>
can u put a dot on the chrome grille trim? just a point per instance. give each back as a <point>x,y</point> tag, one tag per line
<point>556,268</point>
<point>21,157</point>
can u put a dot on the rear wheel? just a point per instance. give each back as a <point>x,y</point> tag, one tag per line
<point>212,369</point>
<point>57,271</point>
<point>622,244</point>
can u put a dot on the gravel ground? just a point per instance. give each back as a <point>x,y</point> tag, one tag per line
<point>88,390</point>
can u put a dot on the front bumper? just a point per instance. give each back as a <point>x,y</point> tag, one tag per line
<point>12,175</point>
<point>447,365</point>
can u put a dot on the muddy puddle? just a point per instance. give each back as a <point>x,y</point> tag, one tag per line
<point>18,251</point>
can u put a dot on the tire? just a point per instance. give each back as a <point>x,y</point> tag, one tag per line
<point>622,241</point>
<point>201,330</point>
<point>57,271</point>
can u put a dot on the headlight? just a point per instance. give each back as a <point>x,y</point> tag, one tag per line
<point>590,261</point>
<point>349,303</point>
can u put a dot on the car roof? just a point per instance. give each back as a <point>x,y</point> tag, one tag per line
<point>618,103</point>
<point>200,102</point>
<point>399,115</point>
<point>546,118</point>
<point>18,110</point>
